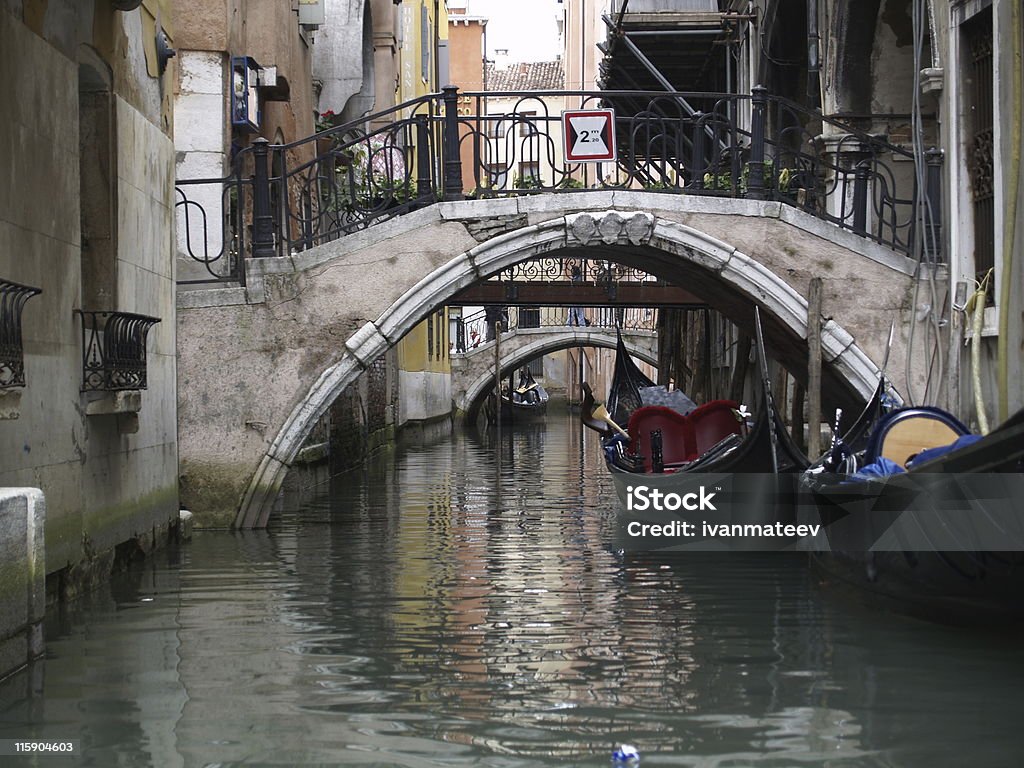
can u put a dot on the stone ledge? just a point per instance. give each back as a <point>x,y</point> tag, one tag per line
<point>111,403</point>
<point>210,297</point>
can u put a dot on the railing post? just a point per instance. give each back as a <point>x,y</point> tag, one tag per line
<point>698,165</point>
<point>262,217</point>
<point>860,197</point>
<point>424,188</point>
<point>452,159</point>
<point>933,194</point>
<point>755,167</point>
<point>460,335</point>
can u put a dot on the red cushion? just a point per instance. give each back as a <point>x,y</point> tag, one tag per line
<point>713,422</point>
<point>683,438</point>
<point>677,441</point>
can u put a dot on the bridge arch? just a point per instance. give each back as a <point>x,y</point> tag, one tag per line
<point>732,280</point>
<point>554,340</point>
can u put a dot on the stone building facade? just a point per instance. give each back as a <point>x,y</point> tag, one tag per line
<point>86,201</point>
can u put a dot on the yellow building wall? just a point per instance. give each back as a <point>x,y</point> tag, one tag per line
<point>415,352</point>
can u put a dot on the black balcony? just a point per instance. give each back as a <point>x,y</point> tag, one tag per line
<point>13,298</point>
<point>114,350</point>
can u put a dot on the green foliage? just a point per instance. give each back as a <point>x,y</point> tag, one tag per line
<point>724,181</point>
<point>530,182</point>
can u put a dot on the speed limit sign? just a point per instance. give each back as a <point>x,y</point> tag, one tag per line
<point>589,135</point>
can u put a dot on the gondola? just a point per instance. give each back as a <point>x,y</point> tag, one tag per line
<point>526,401</point>
<point>665,433</point>
<point>919,514</point>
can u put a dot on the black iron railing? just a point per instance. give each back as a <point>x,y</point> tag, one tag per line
<point>575,270</point>
<point>474,329</point>
<point>214,217</point>
<point>114,350</point>
<point>13,297</point>
<point>280,199</point>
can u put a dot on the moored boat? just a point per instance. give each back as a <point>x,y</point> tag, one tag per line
<point>666,433</point>
<point>919,513</point>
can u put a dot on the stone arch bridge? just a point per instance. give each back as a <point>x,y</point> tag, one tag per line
<point>259,365</point>
<point>473,371</point>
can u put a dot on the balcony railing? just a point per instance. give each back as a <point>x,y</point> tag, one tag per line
<point>114,350</point>
<point>13,297</point>
<point>279,199</point>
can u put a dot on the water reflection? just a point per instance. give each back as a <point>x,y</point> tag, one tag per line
<point>461,605</point>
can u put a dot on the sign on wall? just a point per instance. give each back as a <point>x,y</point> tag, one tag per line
<point>245,102</point>
<point>311,13</point>
<point>589,135</point>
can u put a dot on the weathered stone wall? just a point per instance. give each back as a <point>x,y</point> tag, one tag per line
<point>22,576</point>
<point>109,478</point>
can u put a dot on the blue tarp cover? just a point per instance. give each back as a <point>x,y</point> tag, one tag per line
<point>933,453</point>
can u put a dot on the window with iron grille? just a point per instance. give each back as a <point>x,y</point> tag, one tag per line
<point>114,350</point>
<point>13,297</point>
<point>529,174</point>
<point>497,175</point>
<point>527,123</point>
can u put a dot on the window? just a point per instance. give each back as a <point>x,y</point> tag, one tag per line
<point>527,123</point>
<point>497,176</point>
<point>529,174</point>
<point>430,336</point>
<point>495,127</point>
<point>439,325</point>
<point>426,36</point>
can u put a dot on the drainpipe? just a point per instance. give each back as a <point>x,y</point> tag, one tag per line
<point>813,64</point>
<point>1010,220</point>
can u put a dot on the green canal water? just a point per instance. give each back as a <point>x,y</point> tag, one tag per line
<point>462,605</point>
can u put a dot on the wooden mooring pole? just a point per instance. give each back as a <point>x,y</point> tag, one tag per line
<point>814,369</point>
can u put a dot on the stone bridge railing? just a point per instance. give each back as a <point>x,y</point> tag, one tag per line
<point>280,199</point>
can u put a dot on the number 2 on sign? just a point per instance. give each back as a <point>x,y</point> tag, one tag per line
<point>589,137</point>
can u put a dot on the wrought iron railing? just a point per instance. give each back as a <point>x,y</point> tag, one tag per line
<point>474,329</point>
<point>114,350</point>
<point>214,217</point>
<point>13,297</point>
<point>279,199</point>
<point>580,270</point>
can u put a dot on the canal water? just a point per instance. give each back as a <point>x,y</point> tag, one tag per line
<point>461,604</point>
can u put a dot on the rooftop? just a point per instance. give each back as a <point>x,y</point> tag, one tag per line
<point>526,76</point>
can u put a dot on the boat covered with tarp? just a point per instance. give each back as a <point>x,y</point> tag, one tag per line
<point>920,513</point>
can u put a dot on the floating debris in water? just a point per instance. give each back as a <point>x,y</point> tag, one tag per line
<point>627,754</point>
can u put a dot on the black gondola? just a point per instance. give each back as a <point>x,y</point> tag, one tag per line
<point>526,401</point>
<point>713,437</point>
<point>920,514</point>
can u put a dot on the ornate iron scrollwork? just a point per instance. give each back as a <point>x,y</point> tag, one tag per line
<point>114,350</point>
<point>13,297</point>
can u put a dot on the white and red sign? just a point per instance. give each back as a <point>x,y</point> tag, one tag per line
<point>589,135</point>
